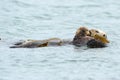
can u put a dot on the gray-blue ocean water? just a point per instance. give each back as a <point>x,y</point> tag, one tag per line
<point>42,19</point>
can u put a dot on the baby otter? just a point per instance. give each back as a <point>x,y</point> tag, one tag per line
<point>100,39</point>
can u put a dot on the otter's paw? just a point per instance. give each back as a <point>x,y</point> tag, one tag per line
<point>14,46</point>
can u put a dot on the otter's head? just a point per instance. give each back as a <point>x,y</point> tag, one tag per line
<point>99,35</point>
<point>82,31</point>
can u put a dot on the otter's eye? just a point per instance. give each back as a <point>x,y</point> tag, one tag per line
<point>104,36</point>
<point>97,31</point>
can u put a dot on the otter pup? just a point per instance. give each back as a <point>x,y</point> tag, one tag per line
<point>100,39</point>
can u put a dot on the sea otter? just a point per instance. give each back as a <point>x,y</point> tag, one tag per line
<point>83,36</point>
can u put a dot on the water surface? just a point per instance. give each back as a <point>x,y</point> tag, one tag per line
<point>41,19</point>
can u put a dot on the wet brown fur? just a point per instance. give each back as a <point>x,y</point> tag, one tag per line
<point>82,36</point>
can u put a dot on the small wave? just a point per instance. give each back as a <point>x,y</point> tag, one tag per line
<point>22,4</point>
